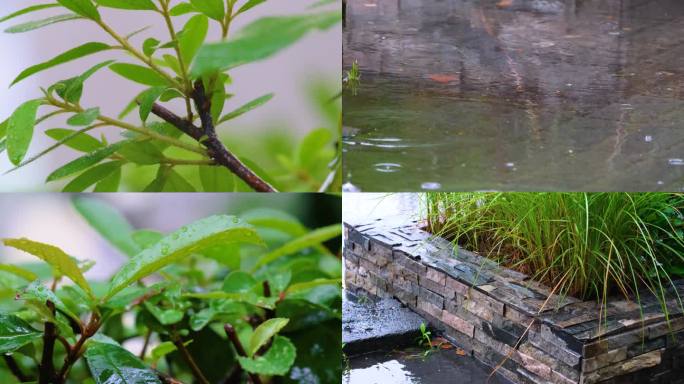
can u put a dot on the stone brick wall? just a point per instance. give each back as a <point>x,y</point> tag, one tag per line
<point>487,309</point>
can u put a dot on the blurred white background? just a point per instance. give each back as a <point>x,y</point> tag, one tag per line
<point>317,56</point>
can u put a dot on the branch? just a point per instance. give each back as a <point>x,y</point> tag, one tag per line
<point>77,350</point>
<point>47,367</point>
<point>232,335</point>
<point>188,359</point>
<point>207,137</point>
<point>166,379</point>
<point>15,369</point>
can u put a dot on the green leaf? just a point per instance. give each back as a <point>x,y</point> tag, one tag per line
<point>141,5</point>
<point>162,350</point>
<point>112,364</point>
<point>71,89</point>
<point>92,176</point>
<point>216,179</point>
<point>150,46</point>
<point>141,152</point>
<point>259,101</point>
<point>249,5</point>
<point>299,287</point>
<point>37,292</point>
<point>26,10</point>
<point>258,41</point>
<point>147,98</point>
<point>177,183</point>
<point>212,8</point>
<point>182,9</point>
<point>311,147</point>
<point>70,55</point>
<point>264,332</point>
<point>192,37</point>
<point>108,222</point>
<point>15,333</point>
<point>201,234</point>
<point>85,8</point>
<point>310,239</point>
<point>20,130</point>
<point>245,297</point>
<point>138,74</point>
<point>3,128</point>
<point>146,238</point>
<point>110,183</point>
<point>58,259</point>
<point>84,118</point>
<point>31,25</point>
<point>238,281</point>
<point>77,140</point>
<point>276,361</point>
<point>18,271</point>
<point>85,161</point>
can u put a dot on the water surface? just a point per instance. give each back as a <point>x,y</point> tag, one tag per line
<point>539,95</point>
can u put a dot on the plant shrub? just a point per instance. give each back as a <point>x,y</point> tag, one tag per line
<point>224,299</point>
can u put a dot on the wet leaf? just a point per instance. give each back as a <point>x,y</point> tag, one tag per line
<point>276,361</point>
<point>58,259</point>
<point>310,239</point>
<point>84,8</point>
<point>138,74</point>
<point>79,141</point>
<point>192,36</point>
<point>111,364</point>
<point>39,293</point>
<point>15,333</point>
<point>257,41</point>
<point>92,176</point>
<point>147,99</point>
<point>85,161</point>
<point>238,281</point>
<point>304,314</point>
<point>20,130</point>
<point>142,5</point>
<point>27,10</point>
<point>70,55</point>
<point>162,350</point>
<point>18,271</point>
<point>220,229</point>
<point>264,332</point>
<point>259,101</point>
<point>108,222</point>
<point>84,118</point>
<point>212,8</point>
<point>31,25</point>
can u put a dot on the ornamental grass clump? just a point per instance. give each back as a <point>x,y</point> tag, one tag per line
<point>588,245</point>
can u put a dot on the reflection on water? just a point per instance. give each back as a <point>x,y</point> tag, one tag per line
<point>537,95</point>
<point>411,366</point>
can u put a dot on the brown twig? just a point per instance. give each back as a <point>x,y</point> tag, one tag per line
<point>77,350</point>
<point>196,371</point>
<point>207,137</point>
<point>15,369</point>
<point>232,335</point>
<point>46,373</point>
<point>166,379</point>
<point>270,313</point>
<point>146,343</point>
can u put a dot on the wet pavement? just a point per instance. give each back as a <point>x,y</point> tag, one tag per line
<point>409,366</point>
<point>373,325</point>
<point>538,95</point>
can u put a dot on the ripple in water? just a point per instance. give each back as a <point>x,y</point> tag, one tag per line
<point>431,186</point>
<point>387,167</point>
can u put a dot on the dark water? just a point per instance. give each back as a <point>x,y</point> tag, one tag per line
<point>410,367</point>
<point>543,95</point>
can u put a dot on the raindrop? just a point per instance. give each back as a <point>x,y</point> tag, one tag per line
<point>676,161</point>
<point>349,187</point>
<point>431,185</point>
<point>648,138</point>
<point>660,182</point>
<point>387,167</point>
<point>510,165</point>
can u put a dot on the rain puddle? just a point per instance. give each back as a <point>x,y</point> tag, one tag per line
<point>409,366</point>
<point>535,95</point>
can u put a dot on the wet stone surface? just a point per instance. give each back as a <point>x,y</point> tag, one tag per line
<point>410,367</point>
<point>372,325</point>
<point>538,95</point>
